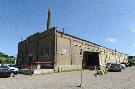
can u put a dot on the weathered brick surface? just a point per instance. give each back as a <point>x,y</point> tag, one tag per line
<point>64,50</point>
<point>68,53</point>
<point>41,46</point>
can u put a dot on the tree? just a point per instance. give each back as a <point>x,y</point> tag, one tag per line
<point>5,59</point>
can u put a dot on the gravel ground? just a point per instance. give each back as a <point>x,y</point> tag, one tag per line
<point>71,80</point>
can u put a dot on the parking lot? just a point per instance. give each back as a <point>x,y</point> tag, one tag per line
<point>71,80</point>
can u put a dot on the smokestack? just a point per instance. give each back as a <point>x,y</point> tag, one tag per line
<point>63,30</point>
<point>49,19</point>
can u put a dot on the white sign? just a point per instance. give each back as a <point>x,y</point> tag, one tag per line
<point>64,51</point>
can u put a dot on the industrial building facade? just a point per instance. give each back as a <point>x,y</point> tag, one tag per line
<point>61,52</point>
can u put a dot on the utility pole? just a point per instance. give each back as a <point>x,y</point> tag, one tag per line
<point>81,84</point>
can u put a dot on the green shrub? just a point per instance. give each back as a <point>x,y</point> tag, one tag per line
<point>104,68</point>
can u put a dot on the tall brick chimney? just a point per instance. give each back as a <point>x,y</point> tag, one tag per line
<point>49,19</point>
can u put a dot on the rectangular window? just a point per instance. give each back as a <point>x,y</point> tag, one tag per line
<point>81,52</point>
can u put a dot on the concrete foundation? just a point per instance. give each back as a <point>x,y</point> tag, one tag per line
<point>43,71</point>
<point>62,68</point>
<point>35,71</point>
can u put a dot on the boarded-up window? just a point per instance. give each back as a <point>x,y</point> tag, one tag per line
<point>41,51</point>
<point>81,52</point>
<point>47,49</point>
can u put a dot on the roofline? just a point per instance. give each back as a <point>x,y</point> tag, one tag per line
<point>87,41</point>
<point>73,37</point>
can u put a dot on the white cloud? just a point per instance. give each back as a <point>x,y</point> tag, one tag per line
<point>111,40</point>
<point>133,30</point>
<point>134,45</point>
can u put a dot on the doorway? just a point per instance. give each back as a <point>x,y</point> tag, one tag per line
<point>90,59</point>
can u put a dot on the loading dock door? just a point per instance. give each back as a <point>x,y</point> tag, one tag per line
<point>90,59</point>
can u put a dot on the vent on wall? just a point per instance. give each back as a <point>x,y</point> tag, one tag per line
<point>75,45</point>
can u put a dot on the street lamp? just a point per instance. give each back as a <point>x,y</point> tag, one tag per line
<point>81,84</point>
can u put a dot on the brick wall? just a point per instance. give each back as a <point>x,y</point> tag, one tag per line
<point>64,50</point>
<point>40,45</point>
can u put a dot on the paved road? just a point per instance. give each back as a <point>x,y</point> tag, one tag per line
<point>71,80</point>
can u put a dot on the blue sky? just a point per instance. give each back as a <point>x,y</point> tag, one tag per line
<point>110,23</point>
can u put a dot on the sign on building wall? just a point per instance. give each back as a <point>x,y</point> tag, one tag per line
<point>64,51</point>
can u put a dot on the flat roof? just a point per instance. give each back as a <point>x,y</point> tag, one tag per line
<point>72,37</point>
<point>87,41</point>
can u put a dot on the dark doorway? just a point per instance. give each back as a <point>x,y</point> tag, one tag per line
<point>90,59</point>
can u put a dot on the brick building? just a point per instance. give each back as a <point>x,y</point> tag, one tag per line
<point>61,51</point>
